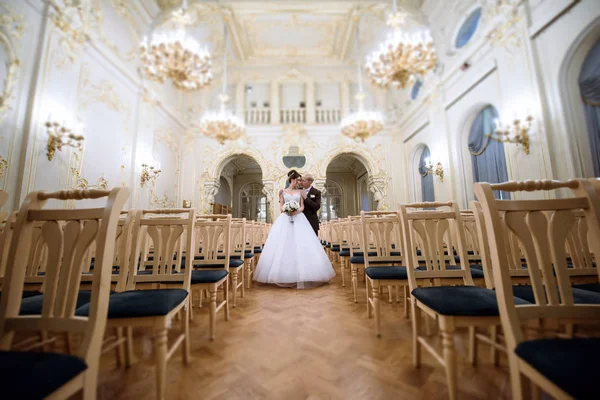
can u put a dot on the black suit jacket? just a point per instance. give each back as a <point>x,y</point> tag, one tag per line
<point>312,203</point>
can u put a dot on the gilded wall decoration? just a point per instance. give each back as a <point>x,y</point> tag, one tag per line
<point>71,18</point>
<point>77,182</point>
<point>12,27</point>
<point>3,167</point>
<point>163,202</point>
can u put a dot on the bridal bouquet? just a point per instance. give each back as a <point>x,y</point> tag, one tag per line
<point>290,207</point>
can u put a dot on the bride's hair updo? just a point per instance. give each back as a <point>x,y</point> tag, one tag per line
<point>293,174</point>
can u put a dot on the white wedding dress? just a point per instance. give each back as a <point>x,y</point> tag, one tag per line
<point>293,255</point>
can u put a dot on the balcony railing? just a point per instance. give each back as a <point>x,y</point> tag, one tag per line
<point>258,116</point>
<point>328,115</point>
<point>262,116</point>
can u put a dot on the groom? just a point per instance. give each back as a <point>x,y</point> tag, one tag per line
<point>312,201</point>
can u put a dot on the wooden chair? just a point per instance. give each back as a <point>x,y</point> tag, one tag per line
<point>248,255</point>
<point>357,252</point>
<point>336,238</point>
<point>565,368</point>
<point>344,254</point>
<point>49,375</point>
<point>384,261</point>
<point>470,306</point>
<point>211,265</point>
<point>156,308</point>
<point>237,263</point>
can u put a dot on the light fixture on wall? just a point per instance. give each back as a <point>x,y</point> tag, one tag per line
<point>362,124</point>
<point>61,134</point>
<point>149,173</point>
<point>517,133</point>
<point>175,56</point>
<point>222,125</point>
<point>3,166</point>
<point>402,57</point>
<point>433,168</point>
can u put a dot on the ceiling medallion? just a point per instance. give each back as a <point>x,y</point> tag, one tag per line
<point>175,56</point>
<point>362,124</point>
<point>222,125</point>
<point>403,57</point>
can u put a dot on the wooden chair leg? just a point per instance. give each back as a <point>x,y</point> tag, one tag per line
<point>493,349</point>
<point>397,290</point>
<point>368,294</point>
<point>243,277</point>
<point>416,332</point>
<point>200,296</point>
<point>447,329</point>
<point>90,383</point>
<point>405,300</point>
<point>213,313</point>
<point>234,281</point>
<point>160,349</point>
<point>226,298</point>
<point>343,273</point>
<point>377,309</point>
<point>185,327</point>
<point>354,282</point>
<point>390,295</point>
<point>120,349</point>
<point>473,345</point>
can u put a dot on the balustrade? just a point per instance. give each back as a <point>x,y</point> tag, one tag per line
<point>258,116</point>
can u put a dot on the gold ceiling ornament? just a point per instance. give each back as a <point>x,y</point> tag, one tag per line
<point>361,124</point>
<point>177,57</point>
<point>222,125</point>
<point>402,57</point>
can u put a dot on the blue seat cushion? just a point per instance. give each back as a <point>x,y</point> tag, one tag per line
<point>210,276</point>
<point>345,253</point>
<point>248,255</point>
<point>328,245</point>
<point>592,287</point>
<point>476,271</point>
<point>335,249</point>
<point>235,263</point>
<point>33,305</point>
<point>33,375</point>
<point>461,300</point>
<point>141,303</point>
<point>361,259</point>
<point>571,364</point>
<point>386,272</point>
<point>257,250</point>
<point>27,293</point>
<point>580,296</point>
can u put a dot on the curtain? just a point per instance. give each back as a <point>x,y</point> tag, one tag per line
<point>589,84</point>
<point>427,193</point>
<point>487,156</point>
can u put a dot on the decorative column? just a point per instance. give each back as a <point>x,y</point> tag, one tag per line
<point>210,190</point>
<point>270,191</point>
<point>310,102</point>
<point>274,103</point>
<point>379,188</point>
<point>345,98</point>
<point>319,184</point>
<point>240,99</point>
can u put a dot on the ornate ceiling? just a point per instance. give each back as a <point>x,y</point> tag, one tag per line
<point>298,32</point>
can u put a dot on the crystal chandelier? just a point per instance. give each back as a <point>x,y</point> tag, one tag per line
<point>362,124</point>
<point>222,125</point>
<point>177,57</point>
<point>403,57</point>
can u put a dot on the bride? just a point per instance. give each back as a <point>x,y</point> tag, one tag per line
<point>293,255</point>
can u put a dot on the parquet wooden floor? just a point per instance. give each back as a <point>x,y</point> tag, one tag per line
<point>312,344</point>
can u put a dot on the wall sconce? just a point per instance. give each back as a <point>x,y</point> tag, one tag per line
<point>3,166</point>
<point>518,133</point>
<point>149,173</point>
<point>59,135</point>
<point>436,169</point>
<point>187,204</point>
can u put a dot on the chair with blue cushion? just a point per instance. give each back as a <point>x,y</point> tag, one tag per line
<point>211,265</point>
<point>68,235</point>
<point>563,367</point>
<point>336,240</point>
<point>344,253</point>
<point>384,265</point>
<point>237,263</point>
<point>248,256</point>
<point>155,308</point>
<point>440,290</point>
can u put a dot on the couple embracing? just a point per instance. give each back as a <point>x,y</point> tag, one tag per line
<point>293,255</point>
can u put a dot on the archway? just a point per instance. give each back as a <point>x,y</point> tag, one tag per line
<point>346,190</point>
<point>241,181</point>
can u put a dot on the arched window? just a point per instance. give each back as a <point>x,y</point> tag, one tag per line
<point>589,84</point>
<point>467,29</point>
<point>414,93</point>
<point>331,201</point>
<point>487,155</point>
<point>253,202</point>
<point>427,193</point>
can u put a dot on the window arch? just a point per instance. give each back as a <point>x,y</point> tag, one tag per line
<point>468,29</point>
<point>589,85</point>
<point>253,202</point>
<point>427,191</point>
<point>487,155</point>
<point>416,89</point>
<point>331,201</point>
